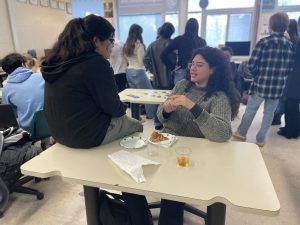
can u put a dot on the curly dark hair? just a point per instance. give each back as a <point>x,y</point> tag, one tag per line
<point>221,78</point>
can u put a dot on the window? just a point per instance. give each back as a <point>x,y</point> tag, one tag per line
<point>221,4</point>
<point>149,23</point>
<point>173,18</point>
<point>197,16</point>
<point>239,27</point>
<point>288,2</point>
<point>294,15</point>
<point>193,6</point>
<point>216,30</point>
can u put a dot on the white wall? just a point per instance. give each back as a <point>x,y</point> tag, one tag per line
<point>6,42</point>
<point>32,27</point>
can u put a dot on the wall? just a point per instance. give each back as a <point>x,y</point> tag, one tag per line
<point>32,27</point>
<point>6,42</point>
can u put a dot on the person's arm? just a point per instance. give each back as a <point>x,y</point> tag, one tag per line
<point>101,83</point>
<point>214,125</point>
<point>140,53</point>
<point>255,59</point>
<point>147,60</point>
<point>165,54</point>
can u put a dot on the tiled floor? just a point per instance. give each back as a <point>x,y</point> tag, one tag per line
<point>64,204</point>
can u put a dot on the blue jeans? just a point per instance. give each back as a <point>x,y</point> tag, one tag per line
<point>179,75</point>
<point>254,102</point>
<point>138,79</point>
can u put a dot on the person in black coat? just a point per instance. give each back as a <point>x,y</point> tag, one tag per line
<point>292,121</point>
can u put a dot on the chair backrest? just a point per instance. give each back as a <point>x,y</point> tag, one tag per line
<point>32,52</point>
<point>46,51</point>
<point>7,118</point>
<point>38,128</point>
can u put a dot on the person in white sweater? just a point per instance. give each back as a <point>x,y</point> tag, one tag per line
<point>134,51</point>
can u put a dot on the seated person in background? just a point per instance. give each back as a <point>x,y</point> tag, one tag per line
<point>82,105</point>
<point>24,90</point>
<point>235,75</point>
<point>31,63</point>
<point>203,107</point>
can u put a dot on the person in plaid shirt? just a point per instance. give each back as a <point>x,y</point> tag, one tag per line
<point>270,63</point>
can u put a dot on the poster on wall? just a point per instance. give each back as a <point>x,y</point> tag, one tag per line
<point>33,2</point>
<point>44,3</point>
<point>22,1</point>
<point>69,8</point>
<point>61,5</point>
<point>53,4</point>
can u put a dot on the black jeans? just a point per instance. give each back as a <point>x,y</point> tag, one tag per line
<point>292,123</point>
<point>171,212</point>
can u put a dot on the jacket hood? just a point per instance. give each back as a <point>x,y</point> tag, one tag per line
<point>19,75</point>
<point>53,72</point>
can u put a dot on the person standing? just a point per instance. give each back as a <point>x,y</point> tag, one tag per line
<point>292,121</point>
<point>270,63</point>
<point>134,51</point>
<point>119,65</point>
<point>293,36</point>
<point>162,78</point>
<point>184,45</point>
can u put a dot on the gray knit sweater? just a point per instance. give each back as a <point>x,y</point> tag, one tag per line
<point>213,123</point>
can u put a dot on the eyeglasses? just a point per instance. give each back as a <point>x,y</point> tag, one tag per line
<point>112,40</point>
<point>198,65</point>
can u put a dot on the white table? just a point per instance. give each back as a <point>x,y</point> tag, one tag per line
<point>232,174</point>
<point>142,96</point>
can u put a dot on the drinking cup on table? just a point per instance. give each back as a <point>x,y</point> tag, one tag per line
<point>152,149</point>
<point>183,156</point>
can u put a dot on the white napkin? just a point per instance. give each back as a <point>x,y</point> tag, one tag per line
<point>131,164</point>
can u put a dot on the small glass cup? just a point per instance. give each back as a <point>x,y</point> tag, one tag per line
<point>152,149</point>
<point>183,156</point>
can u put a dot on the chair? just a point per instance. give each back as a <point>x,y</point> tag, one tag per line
<point>39,129</point>
<point>32,52</point>
<point>46,51</point>
<point>8,119</point>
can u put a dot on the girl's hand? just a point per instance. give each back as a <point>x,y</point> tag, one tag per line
<point>168,106</point>
<point>181,100</point>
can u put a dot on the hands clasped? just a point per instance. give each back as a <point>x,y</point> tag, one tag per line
<point>174,101</point>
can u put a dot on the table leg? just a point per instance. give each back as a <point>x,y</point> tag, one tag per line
<point>91,197</point>
<point>216,214</point>
<point>135,111</point>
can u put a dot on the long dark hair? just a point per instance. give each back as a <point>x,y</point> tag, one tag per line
<point>77,38</point>
<point>221,78</point>
<point>134,34</point>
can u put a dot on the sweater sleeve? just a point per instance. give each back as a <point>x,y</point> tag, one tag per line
<point>140,53</point>
<point>100,81</point>
<point>160,111</point>
<point>215,125</point>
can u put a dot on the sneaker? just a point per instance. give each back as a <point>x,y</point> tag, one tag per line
<point>260,144</point>
<point>238,136</point>
<point>277,120</point>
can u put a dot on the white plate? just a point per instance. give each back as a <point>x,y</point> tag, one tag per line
<point>171,139</point>
<point>133,142</point>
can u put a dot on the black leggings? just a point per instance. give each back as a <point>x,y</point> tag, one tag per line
<point>171,212</point>
<point>292,122</point>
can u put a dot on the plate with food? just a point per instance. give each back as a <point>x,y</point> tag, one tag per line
<point>133,142</point>
<point>161,138</point>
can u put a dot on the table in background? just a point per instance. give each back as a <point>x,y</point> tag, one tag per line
<point>220,174</point>
<point>142,96</point>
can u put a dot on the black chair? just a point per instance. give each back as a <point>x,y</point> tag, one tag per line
<point>32,52</point>
<point>8,119</point>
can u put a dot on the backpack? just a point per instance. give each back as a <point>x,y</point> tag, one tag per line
<point>15,149</point>
<point>112,209</point>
